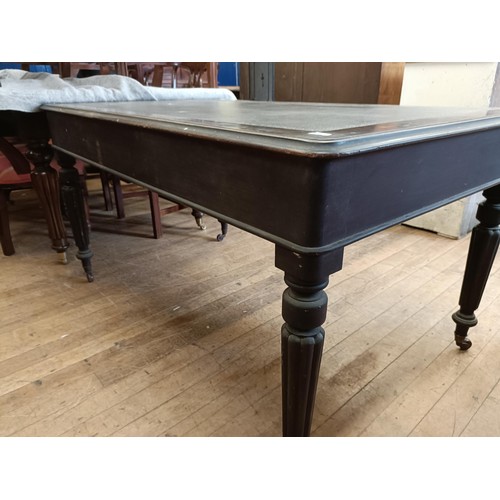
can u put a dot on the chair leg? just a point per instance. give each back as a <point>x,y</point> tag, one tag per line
<point>106,192</point>
<point>5,236</point>
<point>117,189</point>
<point>157,75</point>
<point>154,203</point>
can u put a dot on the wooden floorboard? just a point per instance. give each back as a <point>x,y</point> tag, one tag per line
<point>181,336</point>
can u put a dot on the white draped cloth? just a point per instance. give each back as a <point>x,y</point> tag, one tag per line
<point>25,91</point>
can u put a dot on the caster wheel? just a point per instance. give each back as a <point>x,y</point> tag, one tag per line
<point>220,237</point>
<point>463,342</point>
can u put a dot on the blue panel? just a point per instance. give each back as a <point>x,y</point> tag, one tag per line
<point>10,65</point>
<point>36,68</point>
<point>228,74</point>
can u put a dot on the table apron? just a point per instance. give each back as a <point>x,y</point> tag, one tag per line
<point>307,204</point>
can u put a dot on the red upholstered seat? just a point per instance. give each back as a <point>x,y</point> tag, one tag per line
<point>9,180</point>
<point>8,175</point>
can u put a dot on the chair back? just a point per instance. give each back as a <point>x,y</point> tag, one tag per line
<point>14,167</point>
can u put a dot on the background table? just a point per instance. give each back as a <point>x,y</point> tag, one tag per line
<point>21,95</point>
<point>310,178</point>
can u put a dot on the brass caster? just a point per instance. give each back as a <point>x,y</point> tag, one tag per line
<point>201,224</point>
<point>463,342</point>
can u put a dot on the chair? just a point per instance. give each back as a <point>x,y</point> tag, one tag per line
<point>196,71</point>
<point>14,174</point>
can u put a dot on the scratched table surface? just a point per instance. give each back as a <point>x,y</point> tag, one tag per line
<point>306,127</point>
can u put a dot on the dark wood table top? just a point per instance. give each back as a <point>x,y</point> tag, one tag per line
<point>314,128</point>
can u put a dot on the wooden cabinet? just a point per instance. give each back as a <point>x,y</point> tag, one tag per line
<point>327,82</point>
<point>337,82</point>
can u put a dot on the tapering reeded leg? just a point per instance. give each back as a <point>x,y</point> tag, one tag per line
<point>74,205</point>
<point>482,250</point>
<point>304,311</point>
<point>46,183</point>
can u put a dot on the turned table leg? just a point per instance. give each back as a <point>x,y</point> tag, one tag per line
<point>74,205</point>
<point>304,311</point>
<point>46,184</point>
<point>482,250</point>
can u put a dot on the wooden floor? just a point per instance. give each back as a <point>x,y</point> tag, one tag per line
<point>180,336</point>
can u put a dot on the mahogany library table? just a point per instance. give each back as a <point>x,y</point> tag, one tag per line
<point>311,178</point>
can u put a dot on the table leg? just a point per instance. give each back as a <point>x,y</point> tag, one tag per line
<point>223,229</point>
<point>482,250</point>
<point>198,217</point>
<point>304,311</point>
<point>74,204</point>
<point>46,184</point>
